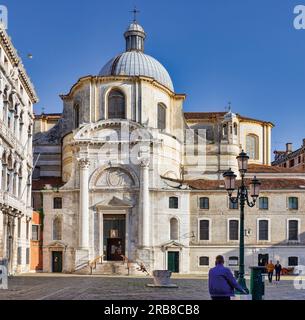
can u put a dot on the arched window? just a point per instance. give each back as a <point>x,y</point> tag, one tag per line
<point>76,116</point>
<point>116,105</point>
<point>57,229</point>
<point>252,146</point>
<point>174,229</point>
<point>161,116</point>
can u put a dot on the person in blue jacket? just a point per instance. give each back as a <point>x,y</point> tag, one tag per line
<point>222,282</point>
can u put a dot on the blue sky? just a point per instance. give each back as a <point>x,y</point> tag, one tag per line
<point>243,51</point>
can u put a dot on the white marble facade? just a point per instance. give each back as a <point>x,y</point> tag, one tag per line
<point>17,96</point>
<point>128,181</point>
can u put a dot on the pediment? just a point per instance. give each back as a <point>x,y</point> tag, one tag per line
<point>172,244</point>
<point>114,203</point>
<point>57,244</point>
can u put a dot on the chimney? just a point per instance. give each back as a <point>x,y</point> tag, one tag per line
<point>288,147</point>
<point>303,142</point>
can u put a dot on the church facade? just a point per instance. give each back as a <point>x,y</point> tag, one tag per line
<point>124,174</point>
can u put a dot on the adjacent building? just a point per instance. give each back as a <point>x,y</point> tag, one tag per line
<point>290,158</point>
<point>125,173</point>
<point>17,96</point>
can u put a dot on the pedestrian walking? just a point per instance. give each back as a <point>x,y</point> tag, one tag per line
<point>222,282</point>
<point>270,270</point>
<point>278,271</point>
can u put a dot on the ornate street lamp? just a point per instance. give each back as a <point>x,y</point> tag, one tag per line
<point>243,199</point>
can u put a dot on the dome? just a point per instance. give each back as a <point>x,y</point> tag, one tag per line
<point>134,62</point>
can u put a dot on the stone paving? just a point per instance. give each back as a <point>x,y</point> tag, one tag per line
<point>50,287</point>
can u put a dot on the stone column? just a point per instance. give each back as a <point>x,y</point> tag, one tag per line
<point>11,182</point>
<point>4,181</point>
<point>84,204</point>
<point>145,201</point>
<point>16,128</point>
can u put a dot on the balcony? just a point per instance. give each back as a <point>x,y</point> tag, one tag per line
<point>10,201</point>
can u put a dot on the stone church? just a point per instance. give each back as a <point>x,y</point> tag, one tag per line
<point>124,176</point>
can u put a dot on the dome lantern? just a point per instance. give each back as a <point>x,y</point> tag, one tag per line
<point>133,62</point>
<point>135,37</point>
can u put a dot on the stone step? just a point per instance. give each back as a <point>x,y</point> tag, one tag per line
<point>109,268</point>
<point>116,268</point>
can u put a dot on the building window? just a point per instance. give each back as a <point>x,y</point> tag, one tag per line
<point>263,230</point>
<point>174,229</point>
<point>293,230</point>
<point>233,206</point>
<point>291,163</point>
<point>233,230</point>
<point>57,229</point>
<point>57,203</point>
<point>204,261</point>
<point>235,129</point>
<point>116,105</point>
<point>293,203</point>
<point>27,257</point>
<point>204,203</point>
<point>35,232</point>
<point>76,116</point>
<point>225,130</point>
<point>173,203</point>
<point>252,146</point>
<point>204,232</point>
<point>233,261</point>
<point>293,261</point>
<point>161,116</point>
<point>263,203</point>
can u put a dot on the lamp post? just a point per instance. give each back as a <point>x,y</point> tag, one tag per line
<point>243,199</point>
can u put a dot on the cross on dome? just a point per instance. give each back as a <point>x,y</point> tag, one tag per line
<point>135,12</point>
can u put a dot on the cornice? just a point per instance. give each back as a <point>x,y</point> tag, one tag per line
<point>103,79</point>
<point>16,61</point>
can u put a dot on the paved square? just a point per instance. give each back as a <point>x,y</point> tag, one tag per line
<point>50,287</point>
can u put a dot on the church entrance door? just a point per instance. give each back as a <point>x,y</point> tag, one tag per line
<point>56,262</point>
<point>114,237</point>
<point>173,261</point>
